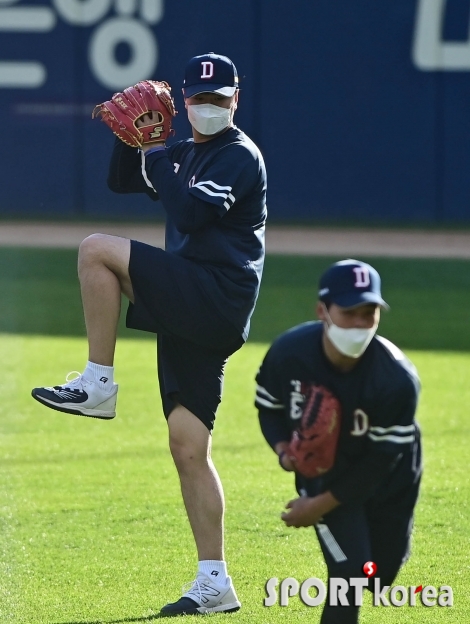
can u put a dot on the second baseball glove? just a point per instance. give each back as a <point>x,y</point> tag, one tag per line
<point>123,110</point>
<point>315,440</point>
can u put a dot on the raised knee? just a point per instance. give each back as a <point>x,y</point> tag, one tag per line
<point>91,244</point>
<point>94,249</point>
<point>90,248</point>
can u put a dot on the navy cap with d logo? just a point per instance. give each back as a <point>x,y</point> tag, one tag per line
<point>350,283</point>
<point>210,73</point>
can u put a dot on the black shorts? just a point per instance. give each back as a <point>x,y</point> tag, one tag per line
<point>194,340</point>
<point>191,376</point>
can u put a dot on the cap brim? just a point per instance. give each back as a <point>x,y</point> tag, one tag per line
<point>353,300</point>
<point>208,88</point>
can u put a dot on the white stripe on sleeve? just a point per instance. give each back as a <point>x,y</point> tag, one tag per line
<point>216,190</point>
<point>391,438</point>
<point>394,428</point>
<point>265,403</point>
<point>264,392</point>
<point>208,192</point>
<point>267,400</point>
<point>397,434</point>
<point>216,186</point>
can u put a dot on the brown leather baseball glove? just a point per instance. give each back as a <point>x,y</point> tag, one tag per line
<point>314,442</point>
<point>123,110</point>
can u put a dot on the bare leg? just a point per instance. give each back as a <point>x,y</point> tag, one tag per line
<point>190,445</point>
<point>103,270</point>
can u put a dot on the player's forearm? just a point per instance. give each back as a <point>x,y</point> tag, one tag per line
<point>306,511</point>
<point>125,175</point>
<point>187,212</point>
<point>274,429</point>
<point>326,502</point>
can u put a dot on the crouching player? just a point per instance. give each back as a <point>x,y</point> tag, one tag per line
<point>337,404</point>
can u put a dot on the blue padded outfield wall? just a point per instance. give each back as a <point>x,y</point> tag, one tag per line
<point>360,107</point>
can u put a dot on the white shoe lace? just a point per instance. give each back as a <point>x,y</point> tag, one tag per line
<point>75,383</point>
<point>191,587</point>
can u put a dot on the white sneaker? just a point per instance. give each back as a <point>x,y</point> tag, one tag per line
<point>204,596</point>
<point>79,396</point>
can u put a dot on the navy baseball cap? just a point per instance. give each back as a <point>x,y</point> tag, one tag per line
<point>350,283</point>
<point>210,73</point>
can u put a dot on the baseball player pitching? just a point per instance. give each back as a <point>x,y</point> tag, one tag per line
<point>337,404</point>
<point>197,295</point>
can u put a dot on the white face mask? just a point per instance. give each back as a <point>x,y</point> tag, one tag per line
<point>207,118</point>
<point>351,342</point>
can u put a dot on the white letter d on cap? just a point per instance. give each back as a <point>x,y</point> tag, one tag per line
<point>207,69</point>
<point>362,277</point>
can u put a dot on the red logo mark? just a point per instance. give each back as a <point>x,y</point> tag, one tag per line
<point>369,569</point>
<point>418,589</point>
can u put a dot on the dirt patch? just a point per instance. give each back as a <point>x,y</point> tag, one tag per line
<point>279,239</point>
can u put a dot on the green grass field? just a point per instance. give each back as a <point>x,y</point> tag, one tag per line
<point>92,523</point>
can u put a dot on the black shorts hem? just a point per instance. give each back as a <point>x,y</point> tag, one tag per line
<point>191,376</point>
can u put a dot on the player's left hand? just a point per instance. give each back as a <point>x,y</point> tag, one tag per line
<point>146,120</point>
<point>140,115</point>
<point>306,511</point>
